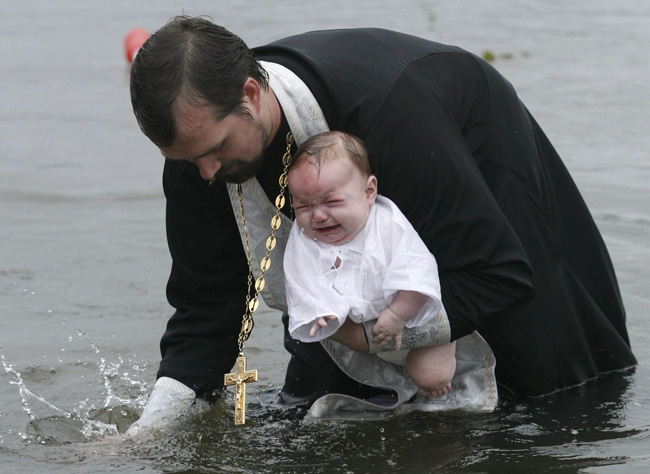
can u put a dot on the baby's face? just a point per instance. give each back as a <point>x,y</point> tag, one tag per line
<point>331,206</point>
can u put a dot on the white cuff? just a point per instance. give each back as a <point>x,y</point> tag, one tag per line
<point>168,400</point>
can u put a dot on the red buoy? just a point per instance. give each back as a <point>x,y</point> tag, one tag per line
<point>134,41</point>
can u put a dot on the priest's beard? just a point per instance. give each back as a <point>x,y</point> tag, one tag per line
<point>239,171</point>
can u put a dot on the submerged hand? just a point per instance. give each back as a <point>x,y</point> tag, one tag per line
<point>168,400</point>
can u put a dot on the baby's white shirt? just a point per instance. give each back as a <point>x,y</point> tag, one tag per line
<point>383,258</point>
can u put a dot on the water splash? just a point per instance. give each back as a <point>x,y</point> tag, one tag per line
<point>111,371</point>
<point>34,405</point>
<point>49,423</point>
<point>116,413</point>
<point>37,408</point>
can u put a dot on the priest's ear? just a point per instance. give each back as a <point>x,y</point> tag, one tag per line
<point>371,189</point>
<point>252,94</point>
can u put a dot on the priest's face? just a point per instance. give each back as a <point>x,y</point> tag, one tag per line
<point>331,204</point>
<point>230,149</point>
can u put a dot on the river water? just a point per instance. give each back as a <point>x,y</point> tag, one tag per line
<point>83,259</point>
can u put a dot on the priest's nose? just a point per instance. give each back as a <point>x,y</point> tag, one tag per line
<point>208,167</point>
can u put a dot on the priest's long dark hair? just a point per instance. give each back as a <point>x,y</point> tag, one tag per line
<point>191,59</point>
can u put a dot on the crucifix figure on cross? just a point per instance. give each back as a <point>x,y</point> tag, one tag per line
<point>239,379</point>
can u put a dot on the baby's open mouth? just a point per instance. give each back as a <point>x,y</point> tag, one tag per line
<point>327,229</point>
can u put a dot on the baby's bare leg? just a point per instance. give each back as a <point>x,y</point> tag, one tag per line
<point>432,368</point>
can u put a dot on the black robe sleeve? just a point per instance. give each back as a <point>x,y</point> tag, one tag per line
<point>207,284</point>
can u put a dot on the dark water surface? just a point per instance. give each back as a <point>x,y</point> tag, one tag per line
<point>83,260</point>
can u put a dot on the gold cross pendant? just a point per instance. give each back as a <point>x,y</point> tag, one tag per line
<point>239,379</point>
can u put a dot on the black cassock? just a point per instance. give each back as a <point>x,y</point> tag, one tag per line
<point>520,257</point>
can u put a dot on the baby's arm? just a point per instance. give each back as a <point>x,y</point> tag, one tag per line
<point>320,322</point>
<point>392,319</point>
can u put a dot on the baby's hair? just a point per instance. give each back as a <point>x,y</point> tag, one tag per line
<point>318,147</point>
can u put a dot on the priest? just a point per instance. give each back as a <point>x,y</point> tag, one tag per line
<point>523,268</point>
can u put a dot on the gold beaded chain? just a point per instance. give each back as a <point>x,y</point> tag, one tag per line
<point>265,264</point>
<point>241,376</point>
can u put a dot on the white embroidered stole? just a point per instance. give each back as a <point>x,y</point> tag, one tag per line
<point>305,119</point>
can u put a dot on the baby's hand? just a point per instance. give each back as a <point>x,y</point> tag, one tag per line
<point>320,322</point>
<point>388,325</point>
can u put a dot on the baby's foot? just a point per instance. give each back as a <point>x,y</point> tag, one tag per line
<point>440,393</point>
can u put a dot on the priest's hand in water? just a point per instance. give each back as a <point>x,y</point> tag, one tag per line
<point>167,402</point>
<point>388,325</point>
<point>321,322</point>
